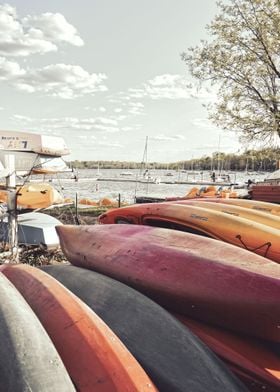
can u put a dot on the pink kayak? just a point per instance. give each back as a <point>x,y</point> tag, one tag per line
<point>200,277</point>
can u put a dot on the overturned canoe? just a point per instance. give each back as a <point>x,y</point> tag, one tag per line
<point>95,358</point>
<point>245,233</point>
<point>193,275</point>
<point>174,359</point>
<point>28,360</point>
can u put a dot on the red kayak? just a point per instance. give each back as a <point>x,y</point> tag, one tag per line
<point>189,274</point>
<point>248,358</point>
<point>94,357</point>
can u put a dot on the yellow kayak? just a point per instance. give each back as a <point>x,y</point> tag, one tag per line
<point>253,236</point>
<point>269,208</point>
<point>242,212</point>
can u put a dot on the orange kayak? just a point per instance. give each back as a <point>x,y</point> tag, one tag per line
<point>242,212</point>
<point>244,233</point>
<point>200,277</point>
<point>269,208</point>
<point>249,359</point>
<point>29,360</point>
<point>95,358</point>
<point>174,358</point>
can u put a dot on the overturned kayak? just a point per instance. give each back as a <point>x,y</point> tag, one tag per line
<point>245,233</point>
<point>193,275</point>
<point>236,210</point>
<point>250,359</point>
<point>94,357</point>
<point>29,360</point>
<point>171,355</point>
<point>268,208</point>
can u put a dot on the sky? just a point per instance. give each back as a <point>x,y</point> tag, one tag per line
<point>105,74</point>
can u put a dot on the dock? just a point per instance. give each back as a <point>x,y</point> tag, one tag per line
<point>174,182</point>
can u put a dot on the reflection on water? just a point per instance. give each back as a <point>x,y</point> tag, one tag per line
<point>88,187</point>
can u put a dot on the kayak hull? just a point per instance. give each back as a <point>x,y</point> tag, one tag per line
<point>169,353</point>
<point>93,355</point>
<point>244,233</point>
<point>249,359</point>
<point>28,360</point>
<point>193,275</point>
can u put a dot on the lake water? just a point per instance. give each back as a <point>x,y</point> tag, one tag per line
<point>88,187</point>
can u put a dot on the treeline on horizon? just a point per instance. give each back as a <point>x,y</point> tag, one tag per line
<point>251,160</point>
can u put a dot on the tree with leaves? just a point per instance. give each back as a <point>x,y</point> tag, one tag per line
<point>242,60</point>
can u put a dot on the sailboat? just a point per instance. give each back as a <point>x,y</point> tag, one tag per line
<point>98,174</point>
<point>145,171</point>
<point>220,176</point>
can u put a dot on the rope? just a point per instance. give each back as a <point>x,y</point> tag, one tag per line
<point>266,244</point>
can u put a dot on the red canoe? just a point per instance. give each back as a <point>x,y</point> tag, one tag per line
<point>95,358</point>
<point>193,275</point>
<point>248,358</point>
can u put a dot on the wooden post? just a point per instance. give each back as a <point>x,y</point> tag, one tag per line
<point>12,206</point>
<point>77,221</point>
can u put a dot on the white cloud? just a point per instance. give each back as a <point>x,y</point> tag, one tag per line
<point>10,70</point>
<point>57,80</point>
<point>204,123</point>
<point>110,144</point>
<point>50,125</point>
<point>135,108</point>
<point>121,117</point>
<point>169,86</point>
<point>127,129</point>
<point>53,27</point>
<point>164,138</point>
<point>34,34</point>
<point>23,118</point>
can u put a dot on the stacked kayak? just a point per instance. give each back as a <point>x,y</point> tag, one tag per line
<point>270,208</point>
<point>242,212</point>
<point>249,230</point>
<point>196,276</point>
<point>94,357</point>
<point>28,360</point>
<point>226,296</point>
<point>85,327</point>
<point>250,359</point>
<point>172,356</point>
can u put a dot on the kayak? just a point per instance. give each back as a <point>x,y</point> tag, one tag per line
<point>94,357</point>
<point>248,358</point>
<point>269,208</point>
<point>193,275</point>
<point>170,354</point>
<point>29,360</point>
<point>242,212</point>
<point>245,233</point>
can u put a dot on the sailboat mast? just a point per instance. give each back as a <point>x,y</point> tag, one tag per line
<point>219,163</point>
<point>145,155</point>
